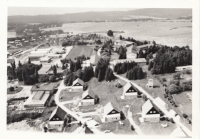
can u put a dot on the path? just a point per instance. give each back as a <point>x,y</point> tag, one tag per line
<point>176,120</point>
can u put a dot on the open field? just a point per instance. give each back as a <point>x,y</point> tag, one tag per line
<point>167,33</point>
<point>79,51</point>
<point>67,95</point>
<point>116,128</point>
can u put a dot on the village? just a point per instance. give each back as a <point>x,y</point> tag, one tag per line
<point>98,83</point>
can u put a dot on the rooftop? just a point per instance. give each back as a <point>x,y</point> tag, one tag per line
<point>44,87</point>
<point>44,69</point>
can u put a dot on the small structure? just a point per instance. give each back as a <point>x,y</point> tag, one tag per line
<point>129,91</point>
<point>110,114</point>
<point>87,98</point>
<point>149,113</point>
<point>77,85</point>
<point>150,83</point>
<point>56,120</point>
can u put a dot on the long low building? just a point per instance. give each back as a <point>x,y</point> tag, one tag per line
<point>37,99</point>
<point>180,68</point>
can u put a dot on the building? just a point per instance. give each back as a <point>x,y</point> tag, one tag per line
<point>77,85</point>
<point>56,120</point>
<point>45,60</point>
<point>181,68</point>
<point>110,114</point>
<point>37,99</point>
<point>45,87</point>
<point>149,113</point>
<point>35,57</point>
<point>87,98</point>
<point>54,56</point>
<point>129,91</point>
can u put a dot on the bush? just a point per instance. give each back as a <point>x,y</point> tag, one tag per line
<point>52,78</point>
<point>164,80</point>
<point>185,116</point>
<point>43,78</point>
<point>11,88</point>
<point>118,85</point>
<point>173,89</point>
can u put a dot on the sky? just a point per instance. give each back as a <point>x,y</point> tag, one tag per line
<point>56,10</point>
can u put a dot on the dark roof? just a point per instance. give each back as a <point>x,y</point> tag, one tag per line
<point>58,112</point>
<point>46,87</point>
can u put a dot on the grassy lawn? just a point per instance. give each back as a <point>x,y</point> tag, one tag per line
<point>156,128</point>
<point>79,51</point>
<point>16,90</point>
<point>181,98</point>
<point>67,95</point>
<point>116,128</point>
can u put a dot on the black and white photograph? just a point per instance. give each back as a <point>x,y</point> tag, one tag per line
<point>101,70</point>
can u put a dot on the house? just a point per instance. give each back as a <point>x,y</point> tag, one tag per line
<point>77,85</point>
<point>181,68</point>
<point>37,99</point>
<point>56,120</point>
<point>110,114</point>
<point>87,98</point>
<point>149,113</point>
<point>85,63</point>
<point>129,91</point>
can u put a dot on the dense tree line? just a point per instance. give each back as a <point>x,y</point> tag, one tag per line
<point>167,58</point>
<point>137,42</point>
<point>106,49</point>
<point>135,73</point>
<point>84,75</point>
<point>103,72</point>
<point>27,72</point>
<point>122,68</point>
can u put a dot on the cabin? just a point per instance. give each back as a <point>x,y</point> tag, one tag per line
<point>181,68</point>
<point>129,91</point>
<point>149,113</point>
<point>110,113</point>
<point>77,85</point>
<point>56,120</point>
<point>87,98</point>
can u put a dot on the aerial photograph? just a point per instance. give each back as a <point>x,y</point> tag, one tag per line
<point>100,71</point>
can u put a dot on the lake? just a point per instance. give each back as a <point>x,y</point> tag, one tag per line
<point>167,33</point>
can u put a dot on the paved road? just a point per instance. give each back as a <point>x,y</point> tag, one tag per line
<point>176,119</point>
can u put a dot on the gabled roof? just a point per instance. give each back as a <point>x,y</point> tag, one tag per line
<point>146,107</point>
<point>58,112</point>
<point>78,81</point>
<point>108,108</point>
<point>127,86</point>
<point>86,93</point>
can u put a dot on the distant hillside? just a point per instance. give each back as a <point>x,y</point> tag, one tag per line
<point>102,16</point>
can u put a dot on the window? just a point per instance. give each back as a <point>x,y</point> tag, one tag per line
<point>57,118</point>
<point>154,111</point>
<point>150,111</point>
